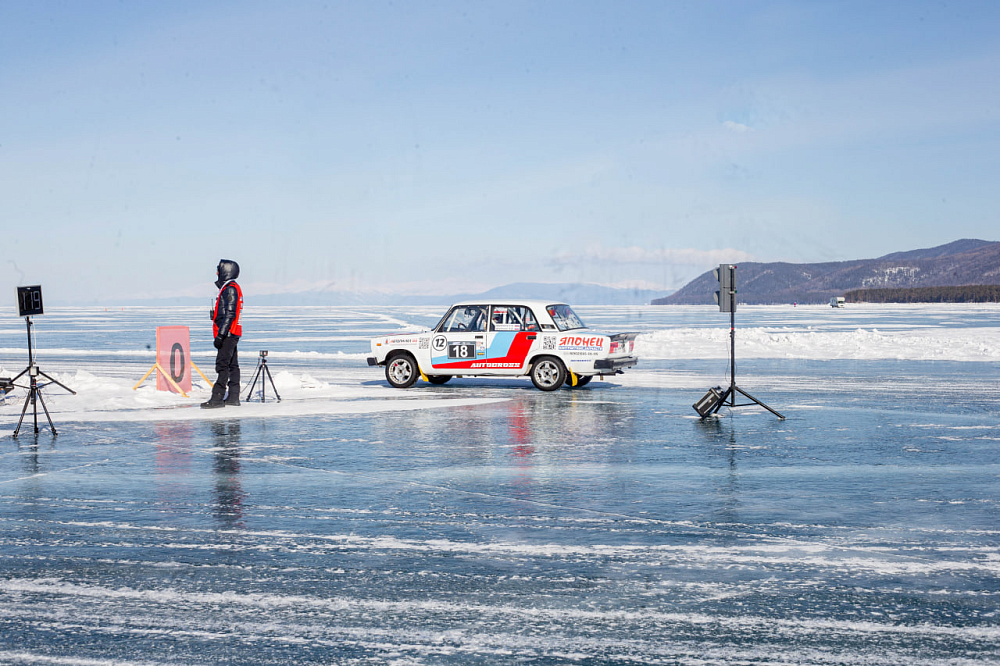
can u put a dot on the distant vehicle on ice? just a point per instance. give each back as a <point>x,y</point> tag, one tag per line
<point>546,341</point>
<point>837,302</point>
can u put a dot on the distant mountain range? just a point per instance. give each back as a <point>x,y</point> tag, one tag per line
<point>963,262</point>
<point>572,293</point>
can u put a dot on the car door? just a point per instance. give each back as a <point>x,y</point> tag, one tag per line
<point>458,347</point>
<point>512,333</point>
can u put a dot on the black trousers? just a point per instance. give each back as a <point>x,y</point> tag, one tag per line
<point>227,364</point>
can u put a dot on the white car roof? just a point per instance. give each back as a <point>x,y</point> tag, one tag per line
<point>534,304</point>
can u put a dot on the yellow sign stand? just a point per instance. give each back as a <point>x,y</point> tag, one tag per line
<point>168,340</point>
<point>207,380</point>
<point>166,375</point>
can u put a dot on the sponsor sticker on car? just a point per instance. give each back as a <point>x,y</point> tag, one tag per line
<point>581,343</point>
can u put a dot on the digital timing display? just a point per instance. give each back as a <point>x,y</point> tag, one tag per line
<point>29,301</point>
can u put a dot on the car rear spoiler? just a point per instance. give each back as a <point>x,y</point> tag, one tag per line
<point>619,337</point>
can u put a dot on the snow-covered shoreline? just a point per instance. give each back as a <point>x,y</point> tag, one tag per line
<point>862,344</point>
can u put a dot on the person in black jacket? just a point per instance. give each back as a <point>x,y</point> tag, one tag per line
<point>227,328</point>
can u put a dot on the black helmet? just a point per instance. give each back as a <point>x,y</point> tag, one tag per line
<point>227,270</point>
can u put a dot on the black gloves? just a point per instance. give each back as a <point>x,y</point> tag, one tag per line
<point>218,341</point>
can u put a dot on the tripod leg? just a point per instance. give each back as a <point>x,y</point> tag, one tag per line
<point>34,404</point>
<point>722,401</point>
<point>272,383</point>
<point>253,382</point>
<point>46,409</point>
<point>747,395</point>
<point>57,383</point>
<point>23,410</point>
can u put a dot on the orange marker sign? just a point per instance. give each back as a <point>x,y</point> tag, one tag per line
<point>173,356</point>
<point>173,361</point>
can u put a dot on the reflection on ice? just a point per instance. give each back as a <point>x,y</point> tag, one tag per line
<point>228,491</point>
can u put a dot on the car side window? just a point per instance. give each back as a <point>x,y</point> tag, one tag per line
<point>530,323</point>
<point>466,318</point>
<point>512,318</point>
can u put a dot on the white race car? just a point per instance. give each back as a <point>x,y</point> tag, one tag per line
<point>546,341</point>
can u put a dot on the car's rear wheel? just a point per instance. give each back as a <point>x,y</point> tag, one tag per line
<point>401,371</point>
<point>438,379</point>
<point>580,380</point>
<point>548,373</point>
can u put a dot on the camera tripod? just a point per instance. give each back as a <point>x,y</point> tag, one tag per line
<point>35,389</point>
<point>260,373</point>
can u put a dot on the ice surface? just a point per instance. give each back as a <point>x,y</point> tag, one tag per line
<point>484,521</point>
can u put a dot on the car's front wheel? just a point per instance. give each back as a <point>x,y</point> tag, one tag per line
<point>401,371</point>
<point>548,373</point>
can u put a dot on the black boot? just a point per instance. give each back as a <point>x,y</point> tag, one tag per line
<point>216,400</point>
<point>233,400</point>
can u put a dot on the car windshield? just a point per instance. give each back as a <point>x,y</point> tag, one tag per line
<point>564,317</point>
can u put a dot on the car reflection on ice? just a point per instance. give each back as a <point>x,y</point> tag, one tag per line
<point>546,341</point>
<point>525,426</point>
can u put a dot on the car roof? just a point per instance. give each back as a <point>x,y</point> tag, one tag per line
<point>531,303</point>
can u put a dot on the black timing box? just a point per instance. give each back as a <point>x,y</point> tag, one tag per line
<point>709,401</point>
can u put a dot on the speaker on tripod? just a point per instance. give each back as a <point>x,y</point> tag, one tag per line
<point>716,397</point>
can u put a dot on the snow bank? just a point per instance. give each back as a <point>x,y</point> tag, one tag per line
<point>101,399</point>
<point>914,344</point>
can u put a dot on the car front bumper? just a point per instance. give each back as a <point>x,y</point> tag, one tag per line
<point>372,360</point>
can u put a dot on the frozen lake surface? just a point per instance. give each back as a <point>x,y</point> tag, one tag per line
<point>484,521</point>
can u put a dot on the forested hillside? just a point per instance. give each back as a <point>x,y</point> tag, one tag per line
<point>963,262</point>
<point>976,293</point>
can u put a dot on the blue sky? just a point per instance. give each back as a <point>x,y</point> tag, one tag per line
<point>448,147</point>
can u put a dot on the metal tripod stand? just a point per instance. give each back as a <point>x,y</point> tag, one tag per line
<point>35,389</point>
<point>260,373</point>
<point>733,389</point>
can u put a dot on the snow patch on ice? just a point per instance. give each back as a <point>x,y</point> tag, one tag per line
<point>913,344</point>
<point>102,399</point>
<point>270,602</point>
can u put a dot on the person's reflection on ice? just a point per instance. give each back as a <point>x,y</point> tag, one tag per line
<point>228,492</point>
